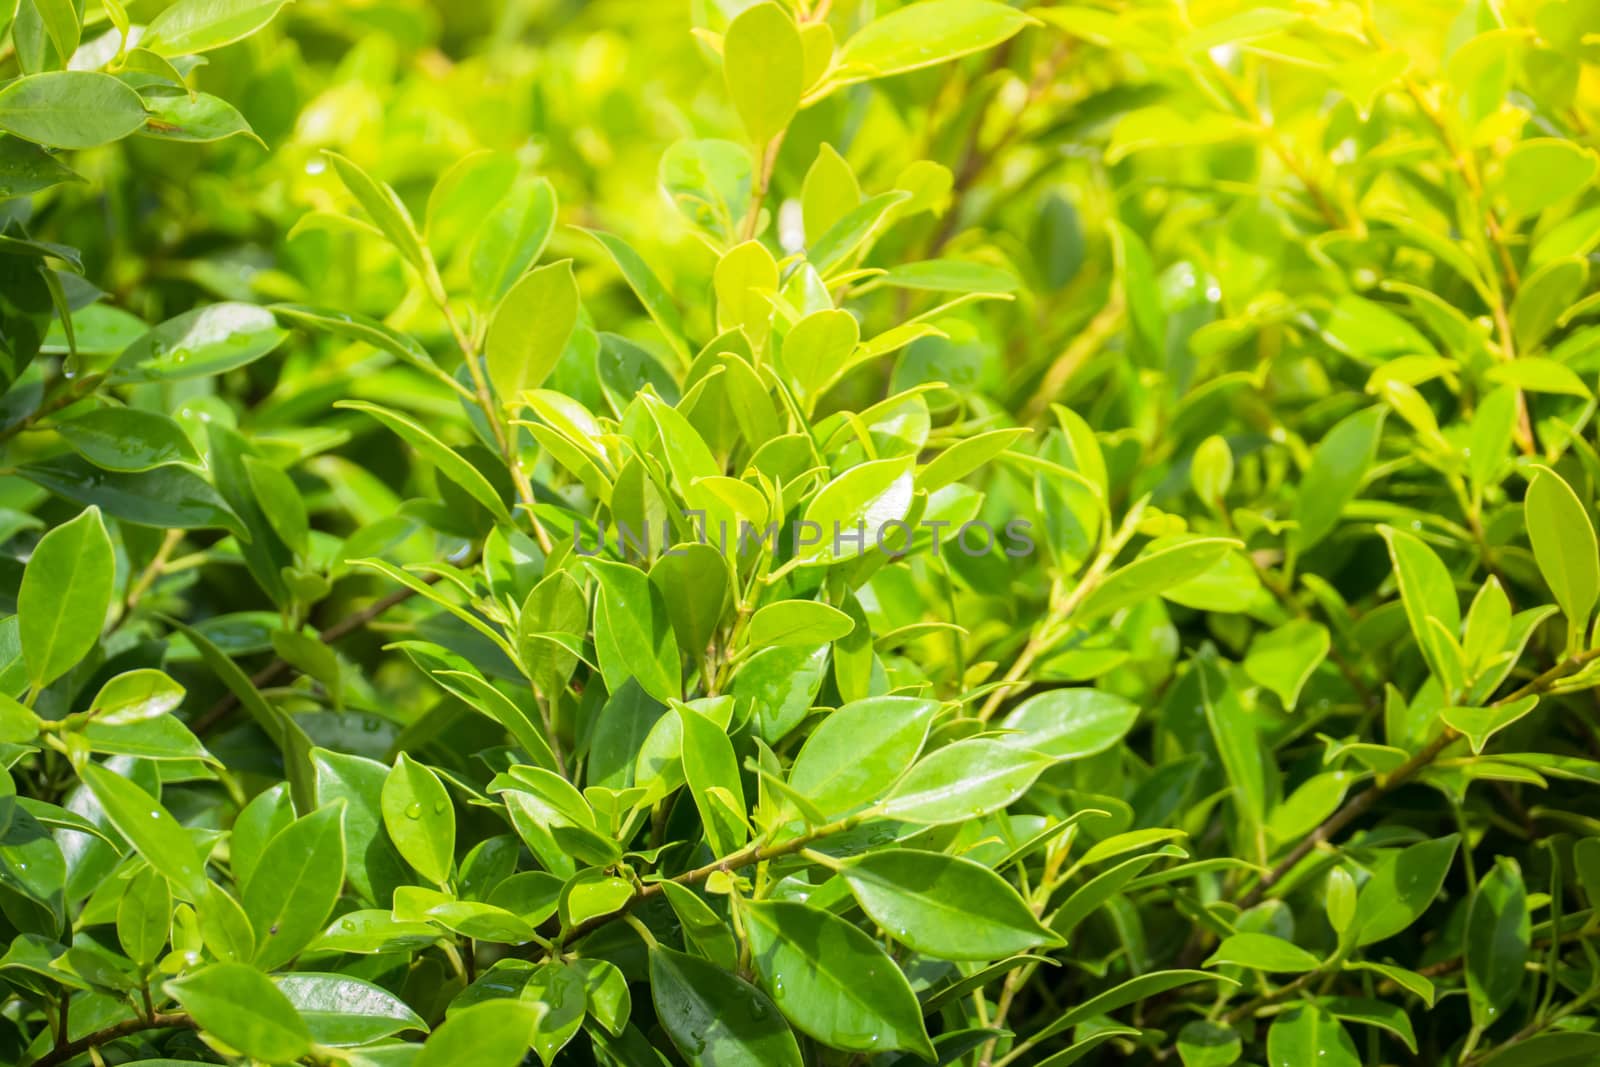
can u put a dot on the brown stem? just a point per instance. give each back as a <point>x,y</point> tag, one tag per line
<point>278,668</point>
<point>768,161</point>
<point>160,1021</point>
<point>148,576</point>
<point>1363,802</point>
<point>745,857</point>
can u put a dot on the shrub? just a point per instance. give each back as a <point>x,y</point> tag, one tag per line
<point>861,533</point>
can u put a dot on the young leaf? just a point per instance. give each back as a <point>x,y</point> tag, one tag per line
<point>1262,952</point>
<point>920,35</point>
<point>420,819</point>
<point>763,62</point>
<point>65,593</point>
<point>797,622</point>
<point>1564,547</point>
<point>1403,884</point>
<point>530,329</point>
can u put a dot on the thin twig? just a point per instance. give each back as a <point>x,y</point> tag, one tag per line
<point>1363,802</point>
<point>71,1049</point>
<point>278,667</point>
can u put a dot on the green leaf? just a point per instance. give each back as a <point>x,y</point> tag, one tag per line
<point>65,594</point>
<point>283,729</point>
<point>530,329</point>
<point>171,498</point>
<point>127,439</point>
<point>511,240</point>
<point>1544,171</point>
<point>70,109</point>
<point>1262,952</point>
<point>1429,595</point>
<point>606,991</point>
<point>818,348</point>
<point>834,249</point>
<point>420,819</point>
<point>715,1019</point>
<point>26,169</point>
<point>712,771</point>
<point>1480,724</point>
<point>62,22</point>
<point>1565,549</point>
<point>829,191</point>
<point>633,636</point>
<point>1069,724</point>
<point>149,828</point>
<point>494,1033</point>
<point>964,457</point>
<point>355,327</point>
<point>1098,891</point>
<point>340,1010</point>
<point>945,906</point>
<point>703,930</point>
<point>1338,466</point>
<point>1308,1034</point>
<point>239,1006</point>
<point>1544,297</point>
<point>295,885</point>
<point>1378,1013</point>
<point>646,286</point>
<point>848,515</point>
<point>763,62</point>
<point>559,990</point>
<point>859,751</point>
<point>1498,935</point>
<point>224,927</point>
<point>1206,1044</point>
<point>1568,1049</point>
<point>953,276</point>
<point>1282,659</point>
<point>202,25</point>
<point>1538,374</point>
<point>1403,883</point>
<point>1235,732</point>
<point>922,34</point>
<point>966,780</point>
<point>387,212</point>
<point>797,622</point>
<point>144,916</point>
<point>1161,567</point>
<point>449,463</point>
<point>1129,992</point>
<point>206,341</point>
<point>833,981</point>
<point>591,894</point>
<point>198,119</point>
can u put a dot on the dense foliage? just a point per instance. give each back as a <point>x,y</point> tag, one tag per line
<point>798,533</point>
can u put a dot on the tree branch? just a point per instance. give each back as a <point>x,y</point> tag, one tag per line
<point>71,1049</point>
